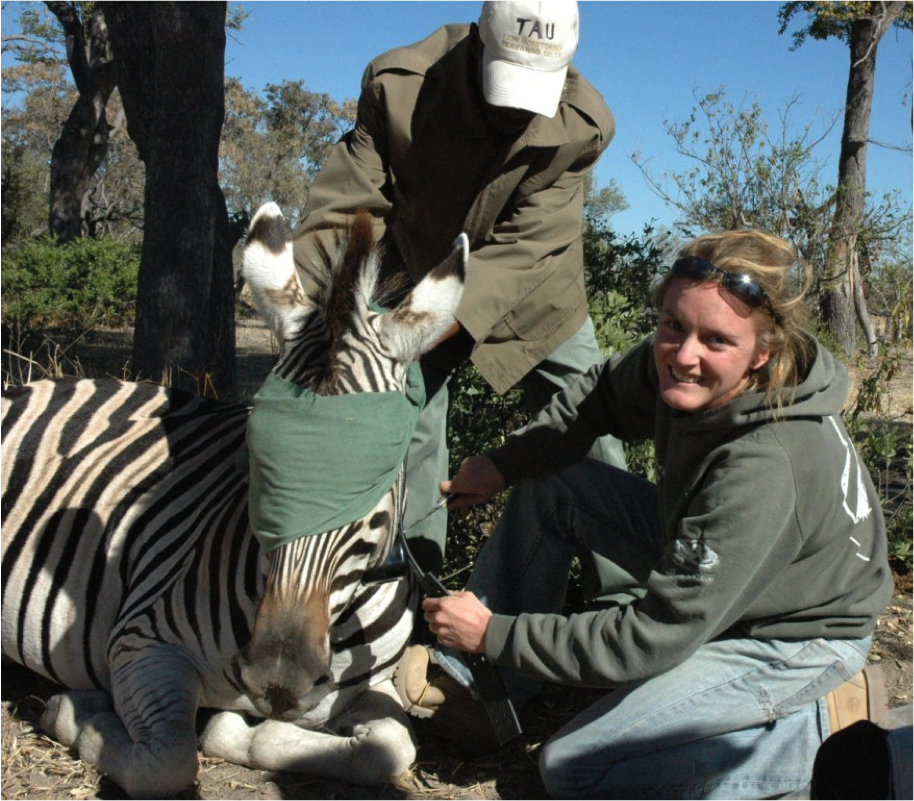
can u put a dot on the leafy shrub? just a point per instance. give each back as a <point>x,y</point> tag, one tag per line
<point>886,451</point>
<point>77,286</point>
<point>620,274</point>
<point>885,446</point>
<point>478,419</point>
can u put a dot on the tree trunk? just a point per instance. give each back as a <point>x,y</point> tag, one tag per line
<point>83,142</point>
<point>863,315</point>
<point>843,301</point>
<point>170,57</point>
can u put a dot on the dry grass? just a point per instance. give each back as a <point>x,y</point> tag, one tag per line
<point>35,766</point>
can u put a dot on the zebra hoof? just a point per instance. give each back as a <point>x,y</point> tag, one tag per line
<point>227,736</point>
<point>67,714</point>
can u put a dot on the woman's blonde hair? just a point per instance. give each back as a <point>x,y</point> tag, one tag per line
<point>769,261</point>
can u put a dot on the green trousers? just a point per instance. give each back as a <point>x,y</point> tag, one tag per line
<point>427,460</point>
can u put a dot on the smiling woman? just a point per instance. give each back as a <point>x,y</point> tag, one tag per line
<point>754,272</point>
<point>752,612</point>
<point>706,347</point>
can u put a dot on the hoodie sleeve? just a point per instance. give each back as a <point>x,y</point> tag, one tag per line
<point>736,536</point>
<point>618,397</point>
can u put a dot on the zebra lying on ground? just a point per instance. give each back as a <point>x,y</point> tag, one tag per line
<point>131,574</point>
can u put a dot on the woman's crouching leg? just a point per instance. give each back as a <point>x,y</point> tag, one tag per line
<point>740,719</point>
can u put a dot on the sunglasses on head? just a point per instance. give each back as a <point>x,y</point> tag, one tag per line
<point>747,289</point>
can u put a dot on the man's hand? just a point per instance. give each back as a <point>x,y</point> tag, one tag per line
<point>459,621</point>
<point>477,480</point>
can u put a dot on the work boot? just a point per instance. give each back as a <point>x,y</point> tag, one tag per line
<point>860,698</point>
<point>423,685</point>
<point>427,691</point>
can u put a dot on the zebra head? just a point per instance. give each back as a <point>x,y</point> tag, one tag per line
<point>339,348</point>
<point>324,333</point>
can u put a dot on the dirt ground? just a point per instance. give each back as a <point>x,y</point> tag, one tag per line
<point>34,767</point>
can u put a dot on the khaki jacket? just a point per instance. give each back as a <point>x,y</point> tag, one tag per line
<point>422,159</point>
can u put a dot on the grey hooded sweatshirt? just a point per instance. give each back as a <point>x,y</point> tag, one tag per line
<point>773,528</point>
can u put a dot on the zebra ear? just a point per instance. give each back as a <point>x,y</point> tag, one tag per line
<point>269,270</point>
<point>425,315</point>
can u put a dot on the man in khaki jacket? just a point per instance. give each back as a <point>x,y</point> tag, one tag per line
<point>487,130</point>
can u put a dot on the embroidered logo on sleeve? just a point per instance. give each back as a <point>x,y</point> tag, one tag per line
<point>694,558</point>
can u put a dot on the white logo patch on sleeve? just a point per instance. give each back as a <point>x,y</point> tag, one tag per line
<point>694,558</point>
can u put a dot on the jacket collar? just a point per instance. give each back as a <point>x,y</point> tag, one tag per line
<point>548,131</point>
<point>461,93</point>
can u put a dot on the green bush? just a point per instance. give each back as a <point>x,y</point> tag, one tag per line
<point>478,419</point>
<point>886,446</point>
<point>620,274</point>
<point>886,451</point>
<point>78,286</point>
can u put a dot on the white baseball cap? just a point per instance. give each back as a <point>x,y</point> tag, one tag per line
<point>527,47</point>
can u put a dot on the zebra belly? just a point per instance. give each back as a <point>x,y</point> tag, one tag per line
<point>116,496</point>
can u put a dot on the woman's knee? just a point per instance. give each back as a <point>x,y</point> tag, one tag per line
<point>536,501</point>
<point>553,492</point>
<point>556,771</point>
<point>566,773</point>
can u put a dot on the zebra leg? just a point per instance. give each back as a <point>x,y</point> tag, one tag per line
<point>148,746</point>
<point>374,745</point>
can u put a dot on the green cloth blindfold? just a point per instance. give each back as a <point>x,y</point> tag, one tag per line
<point>318,462</point>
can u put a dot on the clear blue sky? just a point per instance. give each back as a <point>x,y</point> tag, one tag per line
<point>649,60</point>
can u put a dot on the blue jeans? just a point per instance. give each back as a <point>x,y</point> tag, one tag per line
<point>741,718</point>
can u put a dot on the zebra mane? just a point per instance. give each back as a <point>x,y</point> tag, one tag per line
<point>354,286</point>
<point>348,279</point>
<point>333,278</point>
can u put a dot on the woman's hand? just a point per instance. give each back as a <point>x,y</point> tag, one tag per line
<point>477,480</point>
<point>459,621</point>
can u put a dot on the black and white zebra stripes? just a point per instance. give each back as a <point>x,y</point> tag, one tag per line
<point>131,573</point>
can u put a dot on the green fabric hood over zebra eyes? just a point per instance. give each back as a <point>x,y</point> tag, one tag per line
<point>318,462</point>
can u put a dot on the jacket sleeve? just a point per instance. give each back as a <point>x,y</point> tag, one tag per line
<point>540,235</point>
<point>733,541</point>
<point>355,175</point>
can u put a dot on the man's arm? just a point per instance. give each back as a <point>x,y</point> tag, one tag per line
<point>355,176</point>
<point>524,250</point>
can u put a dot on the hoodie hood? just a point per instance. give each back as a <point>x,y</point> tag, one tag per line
<point>688,445</point>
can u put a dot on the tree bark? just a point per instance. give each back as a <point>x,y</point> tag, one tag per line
<point>863,315</point>
<point>843,301</point>
<point>169,58</point>
<point>83,142</point>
